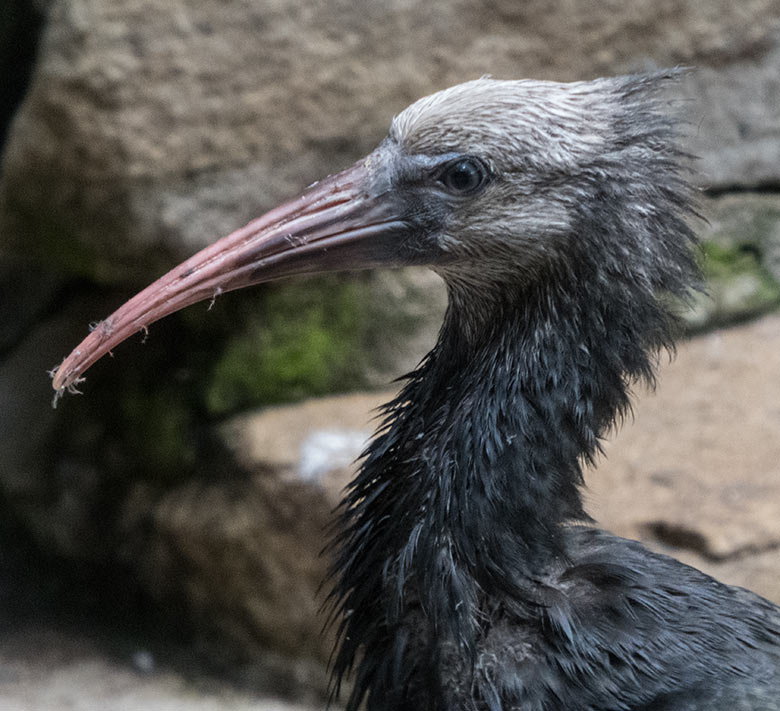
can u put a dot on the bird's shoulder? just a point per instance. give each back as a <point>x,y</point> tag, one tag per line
<point>619,626</point>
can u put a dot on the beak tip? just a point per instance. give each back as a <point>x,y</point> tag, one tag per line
<point>65,378</point>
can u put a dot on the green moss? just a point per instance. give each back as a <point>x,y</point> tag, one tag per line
<point>739,285</point>
<point>305,339</point>
<point>723,263</point>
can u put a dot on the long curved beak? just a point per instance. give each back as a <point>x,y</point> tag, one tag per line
<point>336,224</point>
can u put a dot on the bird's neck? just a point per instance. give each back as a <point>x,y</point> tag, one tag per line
<point>462,498</point>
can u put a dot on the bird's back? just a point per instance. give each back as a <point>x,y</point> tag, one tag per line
<point>619,628</point>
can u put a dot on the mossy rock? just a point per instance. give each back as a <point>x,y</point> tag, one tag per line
<point>316,336</point>
<point>304,339</point>
<point>741,260</point>
<point>151,407</point>
<point>739,286</point>
<point>747,220</point>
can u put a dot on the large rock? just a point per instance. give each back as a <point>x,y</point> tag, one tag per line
<point>236,558</point>
<point>697,470</point>
<point>151,128</point>
<point>240,551</point>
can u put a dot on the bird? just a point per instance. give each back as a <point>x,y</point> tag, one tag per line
<point>466,574</point>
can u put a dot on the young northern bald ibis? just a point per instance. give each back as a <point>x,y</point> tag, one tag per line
<point>467,574</point>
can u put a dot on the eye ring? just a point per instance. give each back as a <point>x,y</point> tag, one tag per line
<point>463,176</point>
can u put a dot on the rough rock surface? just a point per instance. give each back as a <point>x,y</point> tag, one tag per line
<point>152,127</point>
<point>734,106</point>
<point>697,470</point>
<point>741,243</point>
<point>239,558</point>
<point>748,221</point>
<point>241,551</point>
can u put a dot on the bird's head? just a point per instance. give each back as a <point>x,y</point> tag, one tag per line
<point>491,183</point>
<point>503,182</point>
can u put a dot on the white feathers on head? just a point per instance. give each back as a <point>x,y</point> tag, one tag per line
<point>521,120</point>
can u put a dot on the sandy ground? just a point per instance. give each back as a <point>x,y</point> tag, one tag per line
<point>46,668</point>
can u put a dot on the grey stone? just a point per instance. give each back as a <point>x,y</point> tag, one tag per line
<point>750,221</point>
<point>151,128</point>
<point>735,111</point>
<point>695,471</point>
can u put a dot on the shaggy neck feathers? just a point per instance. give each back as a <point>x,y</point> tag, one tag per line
<point>463,496</point>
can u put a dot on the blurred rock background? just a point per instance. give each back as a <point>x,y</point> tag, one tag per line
<point>173,516</point>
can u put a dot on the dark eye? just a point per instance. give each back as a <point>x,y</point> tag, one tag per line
<point>463,176</point>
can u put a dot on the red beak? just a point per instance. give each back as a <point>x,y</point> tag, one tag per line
<point>336,224</point>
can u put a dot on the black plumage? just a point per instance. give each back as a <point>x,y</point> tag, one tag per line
<point>467,575</point>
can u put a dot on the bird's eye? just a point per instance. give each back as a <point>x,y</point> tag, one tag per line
<point>463,176</point>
